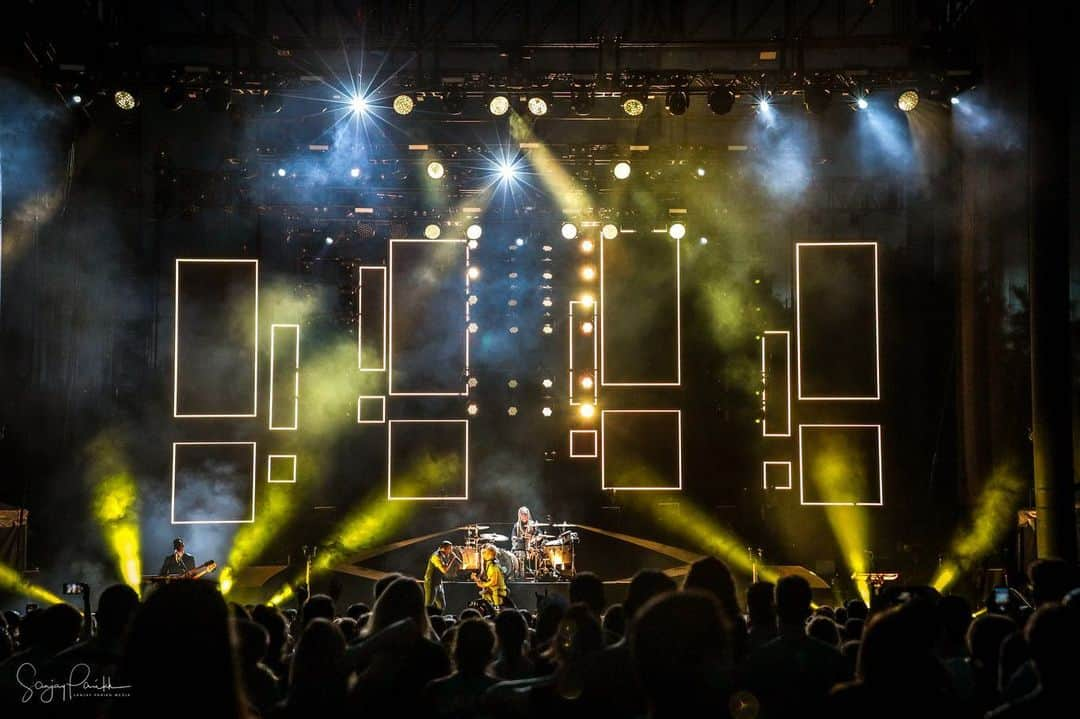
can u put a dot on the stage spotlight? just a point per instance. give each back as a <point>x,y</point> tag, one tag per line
<point>219,98</point>
<point>432,231</point>
<point>520,242</point>
<point>76,99</point>
<point>586,328</point>
<point>700,172</point>
<point>588,273</point>
<point>547,329</point>
<point>548,383</point>
<point>621,170</point>
<point>677,230</point>
<point>511,410</point>
<point>472,409</point>
<point>908,100</point>
<point>281,172</point>
<point>720,100</point>
<point>546,411</point>
<point>862,103</point>
<point>473,328</point>
<point>329,240</point>
<point>404,104</point>
<point>172,98</point>
<point>537,105</point>
<point>474,272</point>
<point>507,172</point>
<point>586,246</point>
<point>473,232</point>
<point>954,100</point>
<point>764,105</point>
<point>581,102</point>
<point>499,105</point>
<point>676,102</point>
<point>125,100</point>
<point>609,231</point>
<point>453,101</point>
<point>816,98</point>
<point>546,302</point>
<point>586,410</point>
<point>569,230</point>
<point>435,170</point>
<point>703,240</point>
<point>633,106</point>
<point>586,382</point>
<point>586,300</point>
<point>354,172</point>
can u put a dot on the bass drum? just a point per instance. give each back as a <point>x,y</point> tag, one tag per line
<point>509,563</point>
<point>470,559</point>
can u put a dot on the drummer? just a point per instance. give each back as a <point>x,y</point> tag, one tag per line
<point>524,530</point>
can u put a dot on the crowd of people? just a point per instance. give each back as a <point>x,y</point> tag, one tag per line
<point>666,651</point>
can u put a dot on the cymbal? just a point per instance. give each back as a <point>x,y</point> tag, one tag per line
<point>493,537</point>
<point>564,524</point>
<point>543,536</point>
<point>477,527</point>
<point>541,524</point>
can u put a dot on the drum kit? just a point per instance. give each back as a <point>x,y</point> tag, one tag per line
<point>543,556</point>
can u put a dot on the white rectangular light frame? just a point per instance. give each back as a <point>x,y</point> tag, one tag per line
<point>360,318</point>
<point>296,379</point>
<point>765,474</point>
<point>603,449</point>
<point>765,389</point>
<point>596,443</point>
<point>269,468</point>
<point>678,325</point>
<point>880,460</point>
<point>389,469</point>
<point>172,498</point>
<point>390,322</point>
<point>798,324</point>
<point>382,401</point>
<point>176,341</point>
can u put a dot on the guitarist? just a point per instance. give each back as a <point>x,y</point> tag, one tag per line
<point>438,565</point>
<point>492,582</point>
<point>179,562</point>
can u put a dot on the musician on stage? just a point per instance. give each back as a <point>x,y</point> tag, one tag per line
<point>179,562</point>
<point>438,565</point>
<point>492,583</point>
<point>524,529</point>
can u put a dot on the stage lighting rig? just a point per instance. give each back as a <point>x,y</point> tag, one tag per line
<point>720,100</point>
<point>404,104</point>
<point>538,105</point>
<point>677,101</point>
<point>908,100</point>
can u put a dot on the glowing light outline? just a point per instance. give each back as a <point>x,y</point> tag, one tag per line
<point>172,498</point>
<point>877,328</point>
<point>389,469</point>
<point>678,323</point>
<point>269,464</point>
<point>296,380</point>
<point>390,321</point>
<point>360,314</point>
<point>881,467</point>
<point>176,341</point>
<point>596,444</point>
<point>361,398</point>
<point>603,450</point>
<point>765,474</point>
<point>764,388</point>
<point>570,349</point>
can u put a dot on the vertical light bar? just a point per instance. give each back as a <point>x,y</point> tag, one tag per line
<point>371,270</point>
<point>290,370</point>
<point>768,379</point>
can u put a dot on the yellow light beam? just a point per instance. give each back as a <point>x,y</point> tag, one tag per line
<point>115,505</point>
<point>12,581</point>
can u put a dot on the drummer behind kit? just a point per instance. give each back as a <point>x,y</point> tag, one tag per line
<point>543,556</point>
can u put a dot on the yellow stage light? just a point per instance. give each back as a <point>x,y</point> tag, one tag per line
<point>586,410</point>
<point>499,105</point>
<point>432,232</point>
<point>586,382</point>
<point>404,104</point>
<point>435,170</point>
<point>586,328</point>
<point>586,301</point>
<point>610,231</point>
<point>586,246</point>
<point>114,506</point>
<point>11,581</point>
<point>677,230</point>
<point>569,230</point>
<point>621,170</point>
<point>588,273</point>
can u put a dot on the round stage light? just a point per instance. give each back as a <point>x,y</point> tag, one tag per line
<point>720,100</point>
<point>610,231</point>
<point>954,100</point>
<point>586,410</point>
<point>676,102</point>
<point>281,172</point>
<point>547,275</point>
<point>514,330</point>
<point>586,300</point>
<point>473,328</point>
<point>908,100</point>
<point>473,232</point>
<point>586,382</point>
<point>124,100</point>
<point>862,103</point>
<point>538,106</point>
<point>569,230</point>
<point>472,409</point>
<point>473,299</point>
<point>404,104</point>
<point>432,232</point>
<point>506,171</point>
<point>329,240</point>
<point>677,230</point>
<point>588,273</point>
<point>700,172</point>
<point>76,99</point>
<point>358,104</point>
<point>472,244</point>
<point>546,411</point>
<point>354,172</point>
<point>473,382</point>
<point>546,302</point>
<point>435,170</point>
<point>511,410</point>
<point>548,383</point>
<point>586,246</point>
<point>586,328</point>
<point>474,272</point>
<point>520,242</point>
<point>633,107</point>
<point>703,240</point>
<point>621,170</point>
<point>499,105</point>
<point>512,384</point>
<point>548,329</point>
